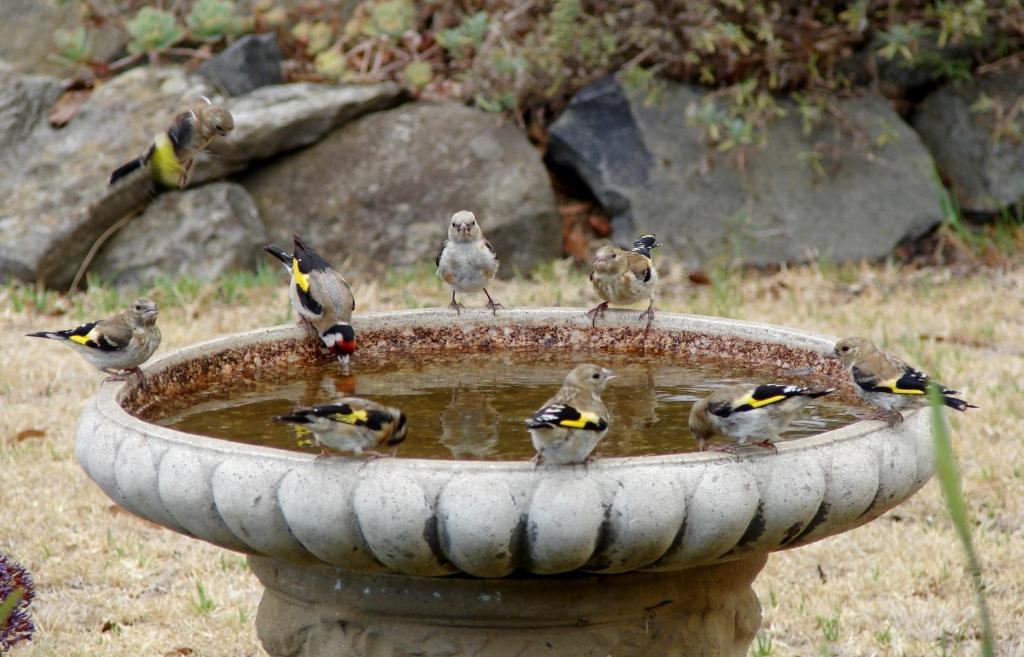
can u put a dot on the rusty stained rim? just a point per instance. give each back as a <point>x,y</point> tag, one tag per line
<point>431,329</point>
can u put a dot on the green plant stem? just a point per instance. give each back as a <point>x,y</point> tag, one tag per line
<point>8,604</point>
<point>949,480</point>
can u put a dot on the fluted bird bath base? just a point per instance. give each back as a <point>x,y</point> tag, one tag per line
<point>708,611</point>
<point>647,556</point>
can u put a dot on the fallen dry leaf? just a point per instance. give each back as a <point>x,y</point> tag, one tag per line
<point>180,651</point>
<point>699,278</point>
<point>28,433</point>
<point>67,106</point>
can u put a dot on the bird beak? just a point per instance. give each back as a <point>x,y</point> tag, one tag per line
<point>608,375</point>
<point>463,229</point>
<point>831,355</point>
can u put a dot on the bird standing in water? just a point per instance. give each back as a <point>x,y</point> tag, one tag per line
<point>466,260</point>
<point>747,414</point>
<point>888,383</point>
<point>625,277</point>
<point>321,296</point>
<point>567,428</point>
<point>351,424</point>
<point>172,153</point>
<point>120,343</point>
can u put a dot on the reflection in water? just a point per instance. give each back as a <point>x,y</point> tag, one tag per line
<point>475,406</point>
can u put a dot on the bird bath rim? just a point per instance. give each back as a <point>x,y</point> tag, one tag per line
<point>493,518</point>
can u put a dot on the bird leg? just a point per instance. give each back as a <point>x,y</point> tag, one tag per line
<point>373,455</point>
<point>597,311</point>
<point>891,418</point>
<point>324,453</point>
<point>186,169</point>
<point>537,459</point>
<point>767,444</point>
<point>455,305</point>
<point>491,303</point>
<point>649,314</point>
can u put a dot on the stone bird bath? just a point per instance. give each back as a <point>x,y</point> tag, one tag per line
<point>642,556</point>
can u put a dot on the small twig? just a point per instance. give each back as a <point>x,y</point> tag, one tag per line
<point>999,64</point>
<point>188,52</point>
<point>96,247</point>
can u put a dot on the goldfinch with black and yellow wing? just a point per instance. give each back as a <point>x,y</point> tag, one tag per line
<point>351,424</point>
<point>172,153</point>
<point>625,277</point>
<point>321,296</point>
<point>750,414</point>
<point>567,428</point>
<point>118,345</point>
<point>888,383</point>
<point>467,261</point>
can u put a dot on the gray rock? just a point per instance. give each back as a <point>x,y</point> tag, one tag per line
<point>380,190</point>
<point>644,164</point>
<point>252,62</point>
<point>202,232</point>
<point>986,173</point>
<point>54,199</point>
<point>279,118</point>
<point>27,30</point>
<point>24,101</point>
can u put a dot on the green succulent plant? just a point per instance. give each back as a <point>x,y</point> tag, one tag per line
<point>153,30</point>
<point>73,45</point>
<point>418,74</point>
<point>331,64</point>
<point>211,20</point>
<point>466,36</point>
<point>317,36</point>
<point>391,18</point>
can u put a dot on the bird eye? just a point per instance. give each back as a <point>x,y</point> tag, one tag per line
<point>596,376</point>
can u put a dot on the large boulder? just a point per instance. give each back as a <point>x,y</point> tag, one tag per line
<point>986,170</point>
<point>24,101</point>
<point>54,199</point>
<point>380,190</point>
<point>252,62</point>
<point>644,164</point>
<point>203,233</point>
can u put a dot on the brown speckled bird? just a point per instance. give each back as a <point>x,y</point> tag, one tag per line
<point>625,277</point>
<point>888,383</point>
<point>568,426</point>
<point>746,413</point>
<point>351,424</point>
<point>120,343</point>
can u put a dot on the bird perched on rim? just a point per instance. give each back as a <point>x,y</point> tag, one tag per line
<point>172,153</point>
<point>321,296</point>
<point>746,413</point>
<point>122,342</point>
<point>888,383</point>
<point>625,277</point>
<point>350,424</point>
<point>466,260</point>
<point>568,426</point>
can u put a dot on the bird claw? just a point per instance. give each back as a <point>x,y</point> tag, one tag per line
<point>649,314</point>
<point>892,419</point>
<point>730,449</point>
<point>767,444</point>
<point>456,306</point>
<point>494,306</point>
<point>537,459</point>
<point>595,312</point>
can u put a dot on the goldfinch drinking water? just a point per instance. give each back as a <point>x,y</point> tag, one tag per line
<point>321,296</point>
<point>888,383</point>
<point>625,277</point>
<point>746,413</point>
<point>121,343</point>
<point>350,424</point>
<point>171,155</point>
<point>568,426</point>
<point>466,260</point>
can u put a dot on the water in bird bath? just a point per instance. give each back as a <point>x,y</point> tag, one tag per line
<point>475,406</point>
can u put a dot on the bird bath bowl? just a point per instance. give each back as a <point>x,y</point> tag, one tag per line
<point>635,556</point>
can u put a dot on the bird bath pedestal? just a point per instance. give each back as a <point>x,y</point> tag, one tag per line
<point>630,557</point>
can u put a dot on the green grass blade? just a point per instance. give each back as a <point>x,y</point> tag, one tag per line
<point>949,480</point>
<point>8,604</point>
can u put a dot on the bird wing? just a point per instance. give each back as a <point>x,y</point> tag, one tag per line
<point>759,397</point>
<point>348,413</point>
<point>437,260</point>
<point>104,335</point>
<point>181,133</point>
<point>909,382</point>
<point>568,417</point>
<point>639,265</point>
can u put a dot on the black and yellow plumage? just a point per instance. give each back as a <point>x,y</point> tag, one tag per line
<point>567,427</point>
<point>622,276</point>
<point>171,155</point>
<point>350,424</point>
<point>569,417</point>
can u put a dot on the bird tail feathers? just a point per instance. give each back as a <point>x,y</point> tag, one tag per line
<point>957,404</point>
<point>126,168</point>
<point>52,335</point>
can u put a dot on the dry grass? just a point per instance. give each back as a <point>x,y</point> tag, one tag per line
<point>897,586</point>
